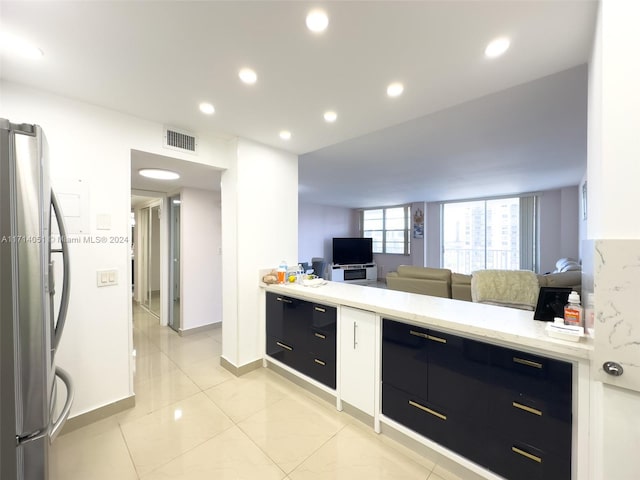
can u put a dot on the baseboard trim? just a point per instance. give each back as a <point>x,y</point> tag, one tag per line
<point>301,382</point>
<point>239,371</point>
<point>203,328</point>
<point>358,414</point>
<point>100,413</point>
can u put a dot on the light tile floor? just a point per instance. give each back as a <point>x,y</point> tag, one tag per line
<point>193,420</point>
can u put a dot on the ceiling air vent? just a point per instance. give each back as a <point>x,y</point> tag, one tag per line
<point>177,140</point>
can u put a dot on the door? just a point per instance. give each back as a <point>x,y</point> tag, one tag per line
<point>174,263</point>
<point>154,261</point>
<point>357,361</point>
<point>143,260</point>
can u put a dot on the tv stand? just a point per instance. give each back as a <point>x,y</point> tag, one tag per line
<point>354,273</point>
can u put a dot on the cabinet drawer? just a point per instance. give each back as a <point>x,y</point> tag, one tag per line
<point>321,369</point>
<point>322,340</point>
<point>449,429</point>
<point>284,352</point>
<point>287,318</point>
<point>404,357</point>
<point>519,461</point>
<point>414,412</point>
<point>322,343</point>
<point>324,318</point>
<point>543,424</point>
<point>532,375</point>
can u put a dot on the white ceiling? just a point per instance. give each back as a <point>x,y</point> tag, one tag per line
<point>158,60</point>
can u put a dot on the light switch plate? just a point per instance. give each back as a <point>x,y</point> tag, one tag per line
<point>107,278</point>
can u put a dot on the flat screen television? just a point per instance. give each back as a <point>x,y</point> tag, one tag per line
<point>347,251</point>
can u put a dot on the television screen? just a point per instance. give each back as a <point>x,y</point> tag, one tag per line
<point>348,251</point>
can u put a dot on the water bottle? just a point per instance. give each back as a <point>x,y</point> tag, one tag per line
<point>282,272</point>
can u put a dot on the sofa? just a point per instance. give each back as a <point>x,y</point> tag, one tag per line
<point>442,282</point>
<point>424,280</point>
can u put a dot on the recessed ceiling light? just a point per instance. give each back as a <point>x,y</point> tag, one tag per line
<point>395,89</point>
<point>207,108</point>
<point>159,174</point>
<point>497,47</point>
<point>285,134</point>
<point>19,46</point>
<point>317,21</point>
<point>330,116</point>
<point>248,76</point>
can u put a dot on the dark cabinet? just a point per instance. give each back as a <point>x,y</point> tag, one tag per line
<point>302,335</point>
<point>506,410</point>
<point>404,357</point>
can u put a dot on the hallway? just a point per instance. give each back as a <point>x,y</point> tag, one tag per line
<point>194,420</point>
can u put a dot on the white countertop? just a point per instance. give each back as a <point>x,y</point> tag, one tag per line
<point>500,325</point>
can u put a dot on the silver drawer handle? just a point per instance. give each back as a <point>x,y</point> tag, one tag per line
<point>286,347</point>
<point>528,363</point>
<point>528,455</point>
<point>285,300</point>
<point>418,334</point>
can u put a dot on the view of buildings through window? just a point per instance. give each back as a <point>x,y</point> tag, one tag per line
<point>389,229</point>
<point>482,234</point>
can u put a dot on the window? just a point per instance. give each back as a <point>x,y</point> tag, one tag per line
<point>389,229</point>
<point>489,234</point>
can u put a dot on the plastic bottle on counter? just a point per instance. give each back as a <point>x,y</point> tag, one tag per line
<point>282,271</point>
<point>573,311</point>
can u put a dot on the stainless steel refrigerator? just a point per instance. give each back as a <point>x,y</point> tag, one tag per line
<point>30,329</point>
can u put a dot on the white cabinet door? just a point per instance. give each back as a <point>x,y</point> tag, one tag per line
<point>357,358</point>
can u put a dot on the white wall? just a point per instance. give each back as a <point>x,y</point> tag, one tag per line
<point>93,145</point>
<point>613,175</point>
<point>558,223</point>
<point>432,233</point>
<point>582,220</point>
<point>200,258</point>
<point>260,228</point>
<point>317,225</point>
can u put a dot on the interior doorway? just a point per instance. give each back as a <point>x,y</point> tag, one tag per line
<point>147,255</point>
<point>189,294</point>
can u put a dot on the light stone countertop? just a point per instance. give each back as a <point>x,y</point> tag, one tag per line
<point>503,326</point>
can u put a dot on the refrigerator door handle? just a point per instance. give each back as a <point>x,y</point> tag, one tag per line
<point>64,299</point>
<point>64,414</point>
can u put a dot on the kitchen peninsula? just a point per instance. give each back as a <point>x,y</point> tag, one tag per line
<point>482,385</point>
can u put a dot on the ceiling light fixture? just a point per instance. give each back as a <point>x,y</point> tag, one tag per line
<point>19,46</point>
<point>159,174</point>
<point>207,108</point>
<point>317,21</point>
<point>248,76</point>
<point>285,134</point>
<point>330,116</point>
<point>395,89</point>
<point>497,47</point>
